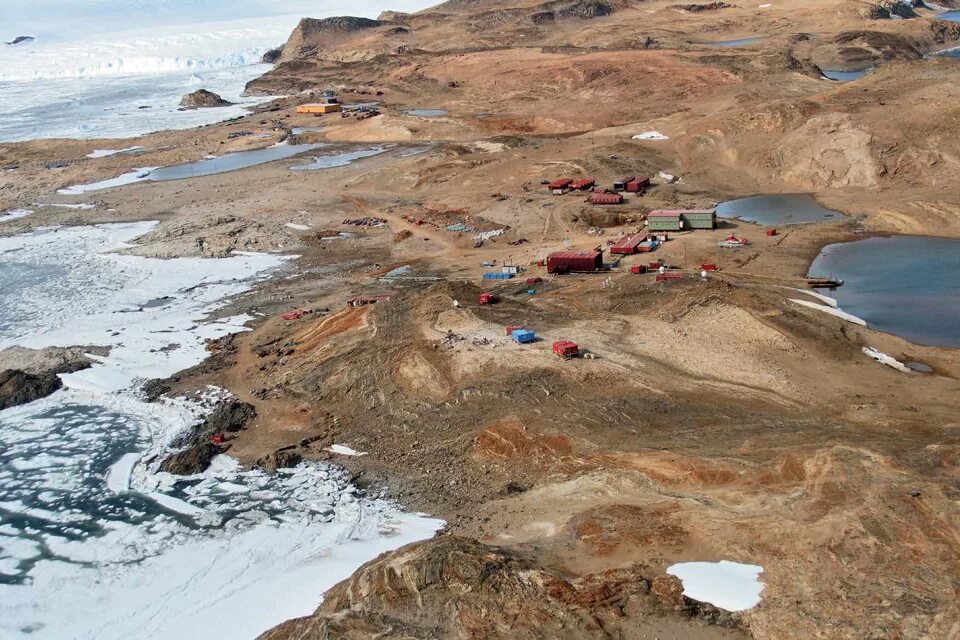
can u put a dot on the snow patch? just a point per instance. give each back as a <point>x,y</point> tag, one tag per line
<point>843,315</point>
<point>344,450</point>
<point>650,135</point>
<point>887,360</point>
<point>131,177</point>
<point>298,227</point>
<point>14,214</point>
<point>728,585</point>
<point>103,153</point>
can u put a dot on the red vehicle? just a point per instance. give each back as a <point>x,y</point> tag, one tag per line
<point>708,266</point>
<point>534,280</point>
<point>566,349</point>
<point>771,232</point>
<point>638,268</point>
<point>486,298</point>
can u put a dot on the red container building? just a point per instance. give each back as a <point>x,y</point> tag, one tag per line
<point>583,183</point>
<point>629,245</point>
<point>637,185</point>
<point>606,198</point>
<point>560,183</point>
<point>566,349</point>
<point>638,268</point>
<point>566,261</point>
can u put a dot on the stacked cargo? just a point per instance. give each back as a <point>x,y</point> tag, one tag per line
<point>567,261</point>
<point>606,198</point>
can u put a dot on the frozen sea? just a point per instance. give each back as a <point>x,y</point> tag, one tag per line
<point>118,68</point>
<point>95,542</point>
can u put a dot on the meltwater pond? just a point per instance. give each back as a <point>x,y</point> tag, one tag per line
<point>341,159</point>
<point>844,76</point>
<point>231,162</point>
<point>905,285</point>
<point>781,209</point>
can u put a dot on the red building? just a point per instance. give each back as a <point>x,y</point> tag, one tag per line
<point>567,261</point>
<point>583,183</point>
<point>606,198</point>
<point>629,245</point>
<point>560,183</point>
<point>566,349</point>
<point>637,185</point>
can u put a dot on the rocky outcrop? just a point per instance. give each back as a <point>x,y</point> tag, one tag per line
<point>585,9</point>
<point>311,35</point>
<point>229,417</point>
<point>697,8</point>
<point>30,374</point>
<point>203,99</point>
<point>192,460</point>
<point>280,459</point>
<point>452,587</point>
<point>20,40</point>
<point>272,56</point>
<point>18,387</point>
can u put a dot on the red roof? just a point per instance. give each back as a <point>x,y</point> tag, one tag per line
<point>630,241</point>
<point>560,183</point>
<point>583,183</point>
<point>606,198</point>
<point>673,213</point>
<point>564,255</point>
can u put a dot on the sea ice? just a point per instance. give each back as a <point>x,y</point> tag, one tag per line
<point>727,585</point>
<point>14,214</point>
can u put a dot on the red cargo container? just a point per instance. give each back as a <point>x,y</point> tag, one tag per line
<point>566,261</point>
<point>638,268</point>
<point>606,198</point>
<point>628,245</point>
<point>560,183</point>
<point>566,349</point>
<point>656,265</point>
<point>486,298</point>
<point>583,183</point>
<point>771,232</point>
<point>621,184</point>
<point>669,275</point>
<point>637,185</point>
<point>708,266</point>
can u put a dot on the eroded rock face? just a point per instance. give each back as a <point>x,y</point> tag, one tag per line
<point>452,587</point>
<point>192,460</point>
<point>18,387</point>
<point>203,99</point>
<point>231,416</point>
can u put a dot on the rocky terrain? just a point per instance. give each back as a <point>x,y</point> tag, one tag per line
<point>28,374</point>
<point>718,419</point>
<point>203,99</point>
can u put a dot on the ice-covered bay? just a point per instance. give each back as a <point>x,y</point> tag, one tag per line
<point>118,68</point>
<point>94,541</point>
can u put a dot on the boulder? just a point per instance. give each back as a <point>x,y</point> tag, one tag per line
<point>192,460</point>
<point>230,416</point>
<point>203,99</point>
<point>280,459</point>
<point>19,387</point>
<point>272,56</point>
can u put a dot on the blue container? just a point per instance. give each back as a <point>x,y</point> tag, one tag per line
<point>523,336</point>
<point>496,275</point>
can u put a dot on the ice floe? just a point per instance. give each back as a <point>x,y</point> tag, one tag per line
<point>344,450</point>
<point>843,315</point>
<point>104,153</point>
<point>728,585</point>
<point>883,358</point>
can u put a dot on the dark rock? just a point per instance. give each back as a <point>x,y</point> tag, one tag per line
<point>584,9</point>
<point>154,389</point>
<point>192,460</point>
<point>271,56</point>
<point>230,416</point>
<point>709,6</point>
<point>203,99</point>
<point>280,459</point>
<point>20,40</point>
<point>18,387</point>
<point>512,488</point>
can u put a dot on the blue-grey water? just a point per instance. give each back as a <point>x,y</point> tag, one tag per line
<point>742,42</point>
<point>844,76</point>
<point>427,113</point>
<point>905,285</point>
<point>231,162</point>
<point>952,16</point>
<point>338,159</point>
<point>781,209</point>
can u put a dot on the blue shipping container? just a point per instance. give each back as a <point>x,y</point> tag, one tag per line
<point>496,275</point>
<point>523,335</point>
